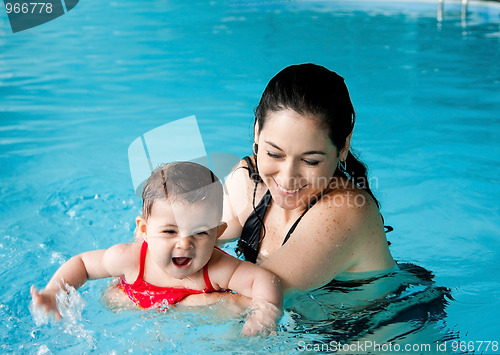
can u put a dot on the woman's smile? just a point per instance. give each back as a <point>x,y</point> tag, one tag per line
<point>288,191</point>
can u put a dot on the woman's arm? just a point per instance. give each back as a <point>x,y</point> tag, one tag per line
<point>336,235</point>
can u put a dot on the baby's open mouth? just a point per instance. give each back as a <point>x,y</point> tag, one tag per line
<point>181,261</point>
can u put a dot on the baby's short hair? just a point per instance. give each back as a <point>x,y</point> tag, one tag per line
<point>182,181</point>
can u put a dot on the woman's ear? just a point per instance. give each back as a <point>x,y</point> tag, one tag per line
<point>345,151</point>
<point>256,131</point>
<point>141,228</point>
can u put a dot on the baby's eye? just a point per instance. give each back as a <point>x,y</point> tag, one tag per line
<point>201,234</point>
<point>170,232</point>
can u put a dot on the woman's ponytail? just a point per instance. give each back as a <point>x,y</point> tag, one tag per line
<point>357,172</point>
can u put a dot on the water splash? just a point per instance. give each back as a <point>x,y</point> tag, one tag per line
<point>70,305</point>
<point>43,350</point>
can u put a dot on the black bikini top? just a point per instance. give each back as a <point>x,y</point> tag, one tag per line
<point>250,238</point>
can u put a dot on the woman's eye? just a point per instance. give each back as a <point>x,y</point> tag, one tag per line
<point>273,155</point>
<point>311,162</point>
<point>170,232</point>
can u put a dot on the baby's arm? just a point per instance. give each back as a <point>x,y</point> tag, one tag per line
<point>76,271</point>
<point>262,286</point>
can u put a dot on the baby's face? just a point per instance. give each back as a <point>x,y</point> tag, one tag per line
<point>181,236</point>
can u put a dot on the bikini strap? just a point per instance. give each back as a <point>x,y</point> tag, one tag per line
<point>249,162</point>
<point>290,231</point>
<point>208,283</point>
<point>142,261</point>
<point>250,238</point>
<point>252,170</point>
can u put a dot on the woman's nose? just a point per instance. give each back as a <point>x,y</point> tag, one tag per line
<point>290,175</point>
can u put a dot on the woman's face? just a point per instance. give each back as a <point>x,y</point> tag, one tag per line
<point>296,159</point>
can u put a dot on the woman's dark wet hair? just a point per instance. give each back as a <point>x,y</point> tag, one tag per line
<point>182,181</point>
<point>322,95</point>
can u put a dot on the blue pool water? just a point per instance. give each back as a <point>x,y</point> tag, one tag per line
<point>77,91</point>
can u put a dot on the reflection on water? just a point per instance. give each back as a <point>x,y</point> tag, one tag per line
<point>395,308</point>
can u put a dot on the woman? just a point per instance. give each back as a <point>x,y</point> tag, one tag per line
<point>302,205</point>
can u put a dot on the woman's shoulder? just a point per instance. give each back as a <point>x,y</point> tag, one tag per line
<point>345,230</point>
<point>243,180</point>
<point>244,169</point>
<point>354,220</point>
<point>349,207</point>
<point>343,193</point>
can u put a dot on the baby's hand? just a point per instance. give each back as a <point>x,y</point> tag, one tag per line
<point>261,319</point>
<point>45,299</point>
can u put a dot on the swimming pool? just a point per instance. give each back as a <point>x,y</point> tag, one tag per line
<point>75,92</point>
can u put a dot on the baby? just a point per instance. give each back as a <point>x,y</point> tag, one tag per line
<point>174,254</point>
